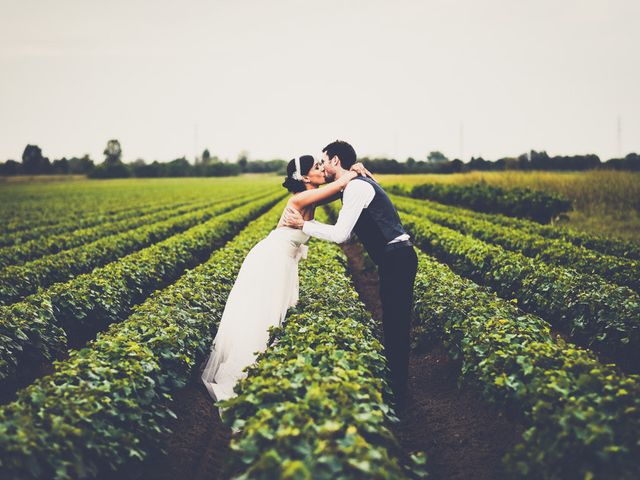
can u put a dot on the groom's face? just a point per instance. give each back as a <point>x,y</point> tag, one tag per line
<point>329,167</point>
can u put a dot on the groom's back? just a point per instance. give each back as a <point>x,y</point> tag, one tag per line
<point>379,223</point>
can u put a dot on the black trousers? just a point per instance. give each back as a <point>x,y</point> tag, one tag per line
<point>397,271</point>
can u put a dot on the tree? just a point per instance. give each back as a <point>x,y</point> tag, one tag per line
<point>632,161</point>
<point>113,153</point>
<point>221,169</point>
<point>206,156</point>
<point>457,165</point>
<point>243,160</point>
<point>141,169</point>
<point>10,167</point>
<point>436,157</point>
<point>540,160</point>
<point>33,162</point>
<point>180,167</point>
<point>60,166</point>
<point>112,167</point>
<point>82,165</point>
<point>523,162</point>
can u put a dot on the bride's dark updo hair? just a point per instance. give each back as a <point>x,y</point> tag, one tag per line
<point>290,183</point>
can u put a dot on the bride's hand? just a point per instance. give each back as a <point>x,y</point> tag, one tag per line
<point>361,170</point>
<point>346,178</point>
<point>292,218</point>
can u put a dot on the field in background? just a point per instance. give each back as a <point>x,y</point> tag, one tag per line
<point>124,283</point>
<point>44,185</point>
<point>606,202</point>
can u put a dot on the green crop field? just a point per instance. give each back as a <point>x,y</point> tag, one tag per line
<point>111,292</point>
<point>604,202</point>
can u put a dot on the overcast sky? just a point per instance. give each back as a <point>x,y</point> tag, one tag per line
<point>282,78</point>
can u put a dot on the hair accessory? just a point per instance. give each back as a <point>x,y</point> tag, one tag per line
<point>296,175</point>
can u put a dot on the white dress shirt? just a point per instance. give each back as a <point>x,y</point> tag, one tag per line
<point>356,197</point>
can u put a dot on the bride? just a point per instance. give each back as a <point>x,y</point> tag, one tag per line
<point>267,284</point>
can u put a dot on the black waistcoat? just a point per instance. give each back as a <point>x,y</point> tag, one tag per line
<point>379,223</point>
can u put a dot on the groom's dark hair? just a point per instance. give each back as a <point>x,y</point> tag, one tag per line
<point>343,150</point>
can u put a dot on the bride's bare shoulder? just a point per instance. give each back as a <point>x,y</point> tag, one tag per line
<point>298,195</point>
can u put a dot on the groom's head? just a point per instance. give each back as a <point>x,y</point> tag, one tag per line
<point>335,156</point>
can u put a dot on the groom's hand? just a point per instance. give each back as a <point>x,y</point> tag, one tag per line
<point>293,218</point>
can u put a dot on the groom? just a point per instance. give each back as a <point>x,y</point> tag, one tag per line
<point>368,211</point>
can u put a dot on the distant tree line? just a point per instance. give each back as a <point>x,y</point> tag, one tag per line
<point>437,163</point>
<point>34,163</point>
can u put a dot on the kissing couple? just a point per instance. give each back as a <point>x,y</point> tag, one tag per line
<point>267,284</point>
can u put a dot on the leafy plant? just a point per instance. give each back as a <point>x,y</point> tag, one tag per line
<point>593,312</point>
<point>109,403</point>
<point>582,416</point>
<point>37,329</point>
<point>314,405</point>
<point>536,205</point>
<point>624,272</point>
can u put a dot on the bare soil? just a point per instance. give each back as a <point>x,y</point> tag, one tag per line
<point>463,436</point>
<point>199,445</point>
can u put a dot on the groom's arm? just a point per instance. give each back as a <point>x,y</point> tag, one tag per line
<point>356,196</point>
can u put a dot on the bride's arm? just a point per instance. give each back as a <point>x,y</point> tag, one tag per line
<point>360,170</point>
<point>317,195</point>
<point>330,199</point>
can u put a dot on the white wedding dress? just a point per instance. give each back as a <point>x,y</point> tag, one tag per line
<point>266,286</point>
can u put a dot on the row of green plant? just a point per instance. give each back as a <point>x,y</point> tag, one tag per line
<point>582,417</point>
<point>33,249</point>
<point>41,210</point>
<point>618,270</point>
<point>536,205</point>
<point>74,223</point>
<point>34,331</point>
<point>314,405</point>
<point>46,210</point>
<point>23,215</point>
<point>605,245</point>
<point>593,312</point>
<point>109,404</point>
<point>18,281</point>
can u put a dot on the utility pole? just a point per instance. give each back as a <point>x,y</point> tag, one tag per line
<point>619,131</point>
<point>395,145</point>
<point>462,141</point>
<point>195,143</point>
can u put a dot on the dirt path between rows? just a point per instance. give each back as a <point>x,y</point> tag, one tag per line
<point>198,446</point>
<point>78,336</point>
<point>462,435</point>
